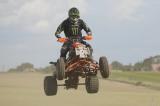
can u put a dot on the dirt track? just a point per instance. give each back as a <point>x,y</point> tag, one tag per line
<point>26,89</point>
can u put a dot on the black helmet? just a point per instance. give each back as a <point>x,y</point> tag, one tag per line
<point>74,12</point>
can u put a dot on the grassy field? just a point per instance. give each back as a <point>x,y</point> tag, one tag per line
<point>26,89</point>
<point>150,79</point>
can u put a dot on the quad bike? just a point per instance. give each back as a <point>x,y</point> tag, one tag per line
<point>78,64</point>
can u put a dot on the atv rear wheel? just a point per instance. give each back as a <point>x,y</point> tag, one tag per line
<point>92,84</point>
<point>60,69</point>
<point>50,86</point>
<point>104,67</point>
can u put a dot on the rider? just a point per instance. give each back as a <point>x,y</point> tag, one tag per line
<point>72,27</point>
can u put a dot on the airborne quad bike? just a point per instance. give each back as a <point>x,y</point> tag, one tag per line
<point>78,64</point>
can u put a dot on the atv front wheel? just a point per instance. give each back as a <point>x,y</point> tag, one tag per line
<point>104,67</point>
<point>92,84</point>
<point>50,86</point>
<point>60,69</point>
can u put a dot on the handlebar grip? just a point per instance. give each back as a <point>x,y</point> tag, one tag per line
<point>88,37</point>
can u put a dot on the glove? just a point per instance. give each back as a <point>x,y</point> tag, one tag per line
<point>62,40</point>
<point>58,36</point>
<point>88,37</point>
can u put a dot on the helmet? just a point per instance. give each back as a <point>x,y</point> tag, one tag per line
<point>74,14</point>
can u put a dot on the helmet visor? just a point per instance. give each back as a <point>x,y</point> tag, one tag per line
<point>74,16</point>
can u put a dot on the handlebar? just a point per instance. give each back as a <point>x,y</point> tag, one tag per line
<point>63,40</point>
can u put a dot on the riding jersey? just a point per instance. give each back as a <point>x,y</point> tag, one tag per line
<point>72,29</point>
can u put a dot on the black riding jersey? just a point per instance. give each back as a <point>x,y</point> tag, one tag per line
<point>72,29</point>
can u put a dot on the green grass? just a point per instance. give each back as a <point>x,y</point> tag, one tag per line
<point>143,78</point>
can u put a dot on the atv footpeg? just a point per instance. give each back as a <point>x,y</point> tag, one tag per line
<point>54,63</point>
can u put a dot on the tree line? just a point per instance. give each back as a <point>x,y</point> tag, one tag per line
<point>145,65</point>
<point>28,67</point>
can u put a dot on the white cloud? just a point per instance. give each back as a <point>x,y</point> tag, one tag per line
<point>126,9</point>
<point>42,24</point>
<point>23,19</point>
<point>36,15</point>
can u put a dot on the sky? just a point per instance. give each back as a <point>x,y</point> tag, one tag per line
<point>123,30</point>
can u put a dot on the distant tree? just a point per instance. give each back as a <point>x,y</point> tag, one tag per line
<point>156,59</point>
<point>117,65</point>
<point>147,64</point>
<point>12,70</point>
<point>22,67</point>
<point>138,66</point>
<point>48,69</point>
<point>128,67</point>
